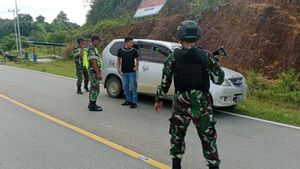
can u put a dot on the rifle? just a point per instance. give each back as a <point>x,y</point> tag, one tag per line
<point>220,52</point>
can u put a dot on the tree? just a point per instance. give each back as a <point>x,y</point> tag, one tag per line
<point>8,42</point>
<point>40,18</point>
<point>6,27</point>
<point>57,37</point>
<point>104,9</point>
<point>39,32</point>
<point>62,17</point>
<point>26,23</point>
<point>61,22</point>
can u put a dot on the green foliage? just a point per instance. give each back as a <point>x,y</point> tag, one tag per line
<point>198,6</point>
<point>104,9</point>
<point>61,23</point>
<point>6,27</point>
<point>256,82</point>
<point>58,67</point>
<point>284,89</point>
<point>40,18</point>
<point>102,27</point>
<point>57,37</point>
<point>8,42</point>
<point>39,32</point>
<point>270,110</point>
<point>288,82</point>
<point>26,23</point>
<point>287,87</point>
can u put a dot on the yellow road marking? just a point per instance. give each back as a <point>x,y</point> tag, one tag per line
<point>89,134</point>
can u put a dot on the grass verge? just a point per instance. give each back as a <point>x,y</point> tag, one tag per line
<point>255,106</point>
<point>58,67</point>
<point>269,110</point>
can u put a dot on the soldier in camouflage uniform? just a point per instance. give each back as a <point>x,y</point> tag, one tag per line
<point>191,67</point>
<point>79,53</point>
<point>95,74</point>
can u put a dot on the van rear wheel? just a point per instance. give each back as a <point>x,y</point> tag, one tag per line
<point>114,87</point>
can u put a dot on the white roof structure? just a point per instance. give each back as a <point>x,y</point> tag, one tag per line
<point>149,7</point>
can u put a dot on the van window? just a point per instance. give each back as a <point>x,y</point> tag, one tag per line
<point>160,54</point>
<point>146,52</point>
<point>115,47</point>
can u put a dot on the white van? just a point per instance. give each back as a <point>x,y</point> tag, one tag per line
<point>152,54</point>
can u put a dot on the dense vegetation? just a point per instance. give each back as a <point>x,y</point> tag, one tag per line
<point>37,30</point>
<point>103,9</point>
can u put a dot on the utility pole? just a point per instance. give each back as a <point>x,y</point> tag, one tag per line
<point>18,24</point>
<point>16,33</point>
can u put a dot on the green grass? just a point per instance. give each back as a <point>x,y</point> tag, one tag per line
<point>270,110</point>
<point>259,106</point>
<point>58,67</point>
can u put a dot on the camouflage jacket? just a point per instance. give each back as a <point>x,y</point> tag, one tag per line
<point>77,58</point>
<point>214,68</point>
<point>93,54</point>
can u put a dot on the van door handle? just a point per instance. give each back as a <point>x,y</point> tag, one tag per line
<point>145,68</point>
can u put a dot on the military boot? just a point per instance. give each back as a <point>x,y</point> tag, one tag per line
<point>93,107</point>
<point>79,90</point>
<point>176,163</point>
<point>215,167</point>
<point>99,107</point>
<point>86,87</point>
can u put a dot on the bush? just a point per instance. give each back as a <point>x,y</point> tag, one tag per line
<point>287,87</point>
<point>256,83</point>
<point>284,89</point>
<point>288,82</point>
<point>68,53</point>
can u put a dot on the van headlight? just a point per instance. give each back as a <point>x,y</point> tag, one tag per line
<point>237,81</point>
<point>226,83</point>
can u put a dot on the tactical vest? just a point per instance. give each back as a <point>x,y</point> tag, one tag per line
<point>191,70</point>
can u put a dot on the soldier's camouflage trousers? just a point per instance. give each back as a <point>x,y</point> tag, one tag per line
<point>95,88</point>
<point>79,72</point>
<point>187,107</point>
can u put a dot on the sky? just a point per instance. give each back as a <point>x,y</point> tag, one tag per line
<point>76,10</point>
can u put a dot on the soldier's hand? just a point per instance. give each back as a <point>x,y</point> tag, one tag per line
<point>99,76</point>
<point>158,106</point>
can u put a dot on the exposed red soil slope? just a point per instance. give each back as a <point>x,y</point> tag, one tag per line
<point>258,35</point>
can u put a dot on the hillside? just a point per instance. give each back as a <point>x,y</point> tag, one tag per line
<point>263,36</point>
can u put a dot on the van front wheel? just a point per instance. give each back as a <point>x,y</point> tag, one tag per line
<point>114,87</point>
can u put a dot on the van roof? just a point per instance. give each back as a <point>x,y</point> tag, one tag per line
<point>159,42</point>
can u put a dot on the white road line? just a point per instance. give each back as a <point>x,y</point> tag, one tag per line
<point>261,120</point>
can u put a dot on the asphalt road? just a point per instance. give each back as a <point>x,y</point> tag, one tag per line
<point>28,141</point>
<point>243,143</point>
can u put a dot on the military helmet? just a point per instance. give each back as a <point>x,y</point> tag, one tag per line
<point>188,31</point>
